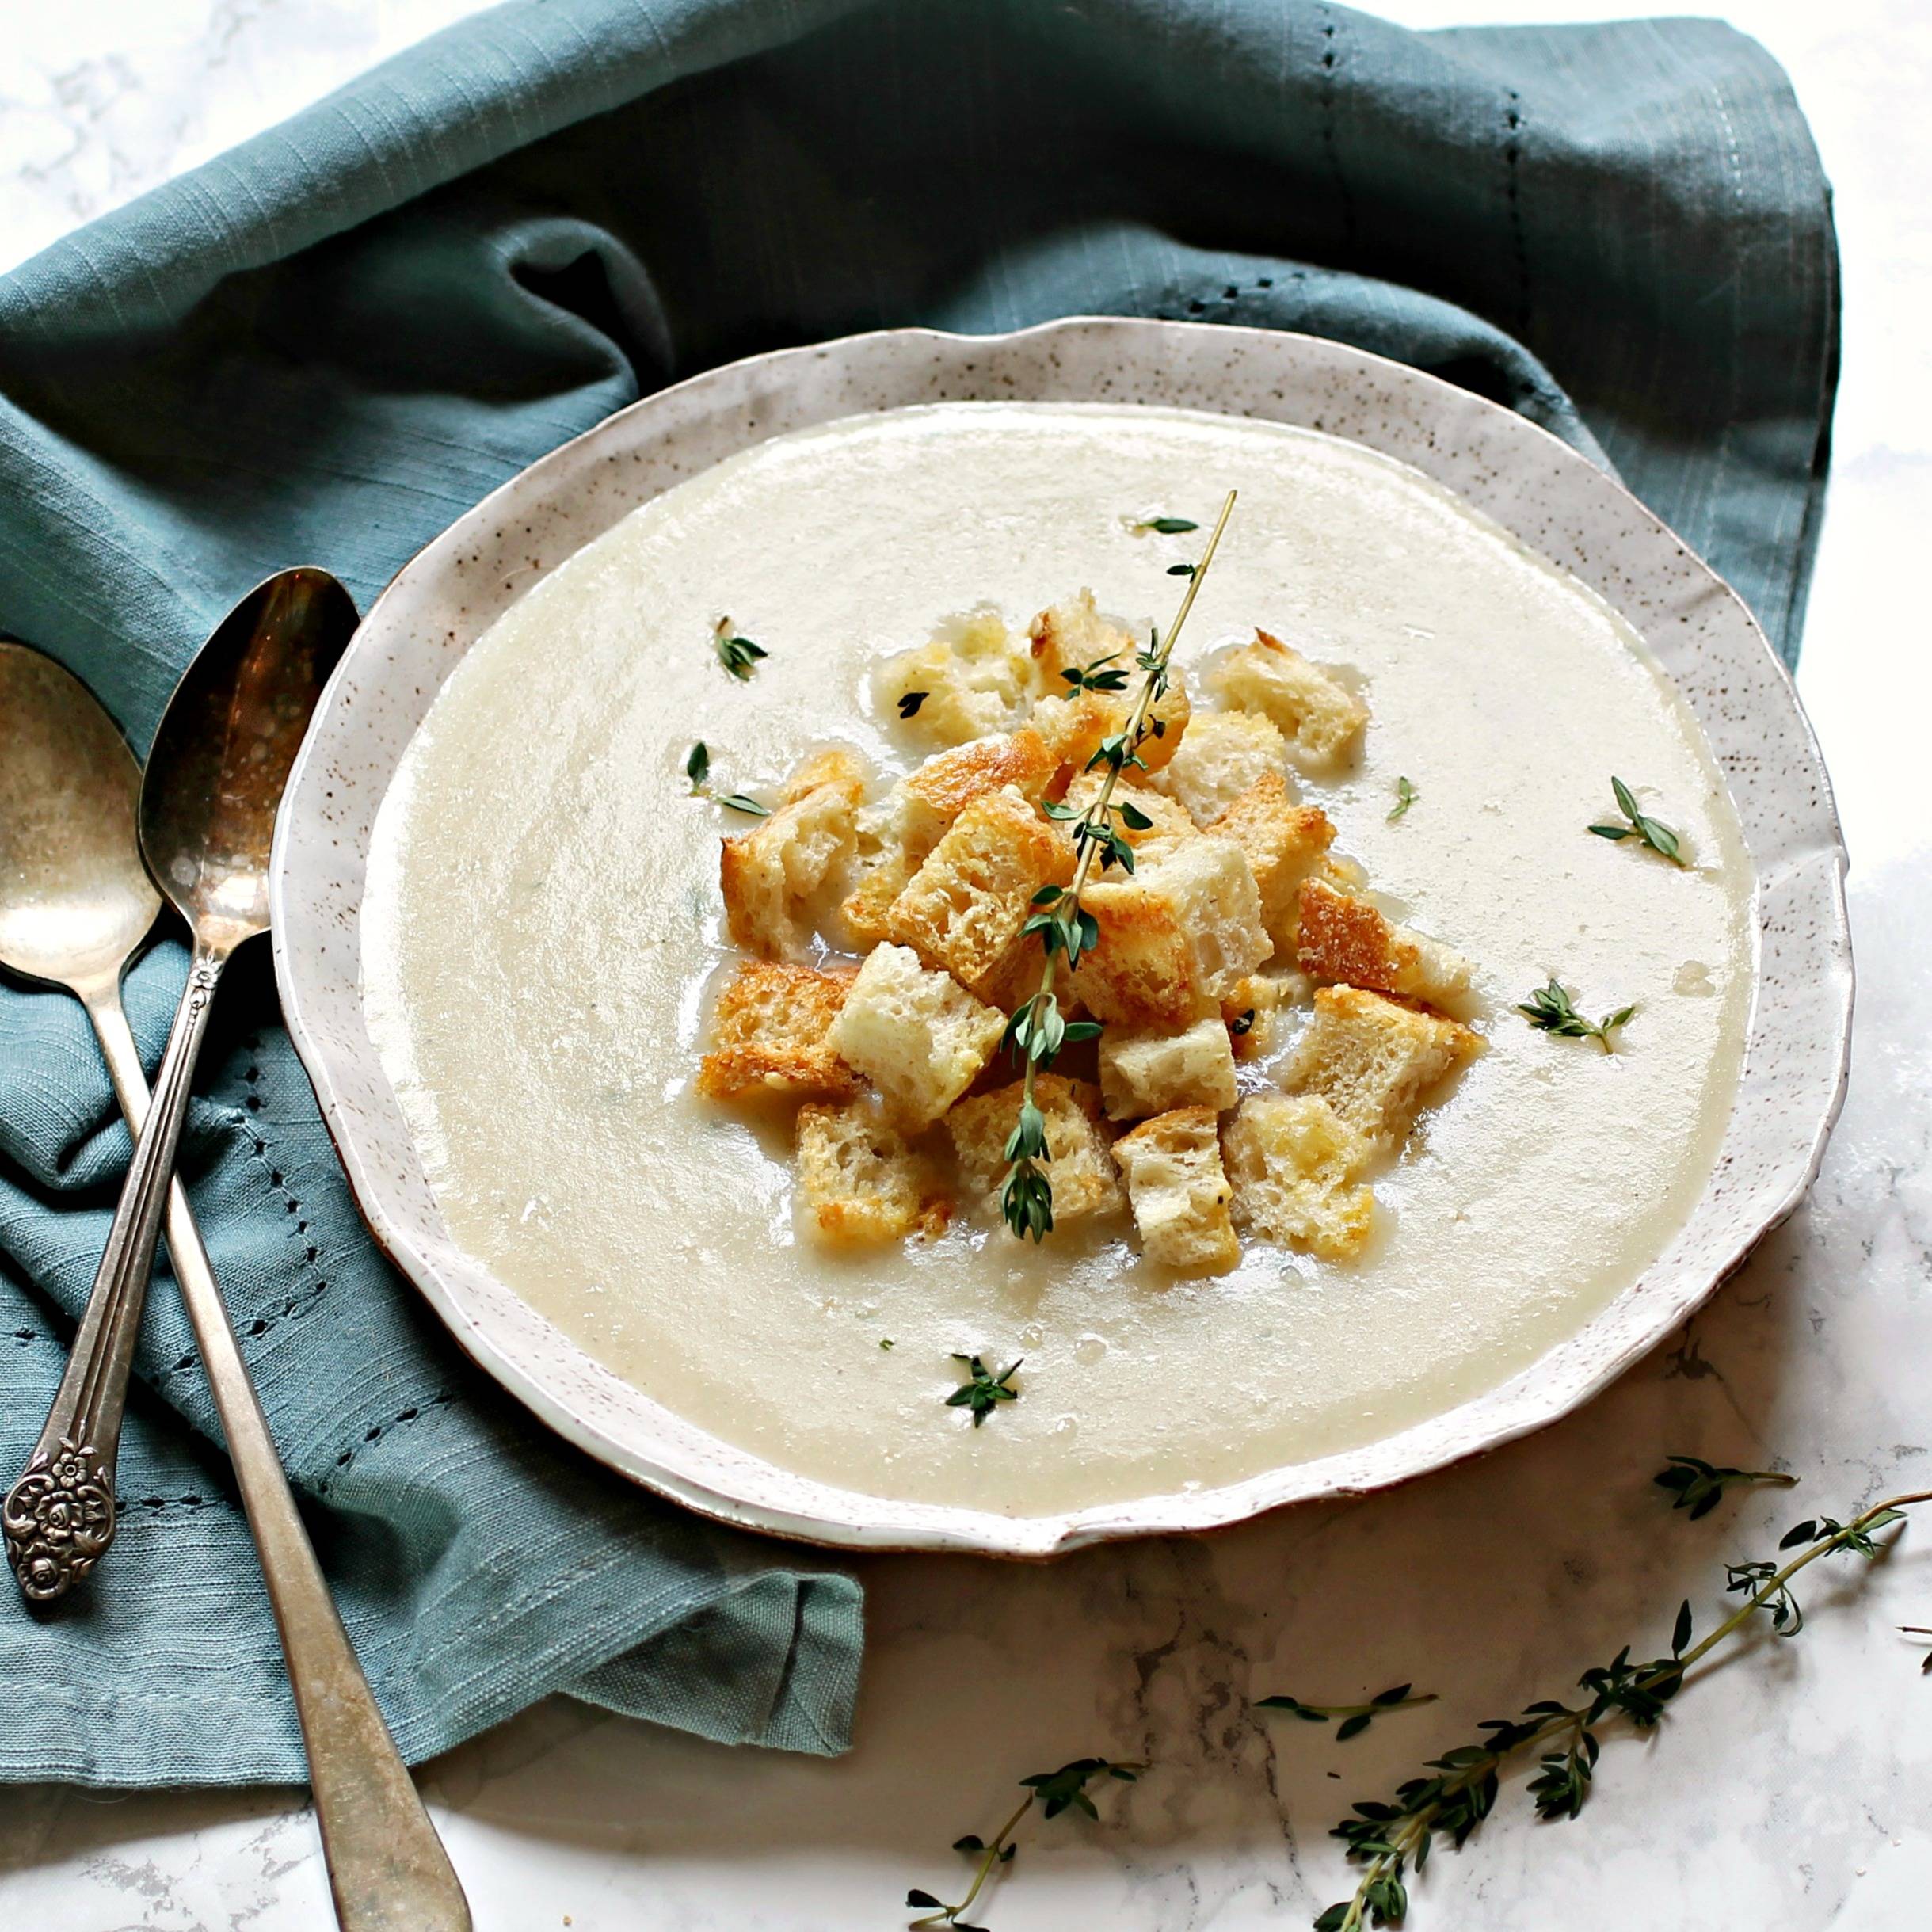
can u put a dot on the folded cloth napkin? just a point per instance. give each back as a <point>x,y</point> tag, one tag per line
<point>324,346</point>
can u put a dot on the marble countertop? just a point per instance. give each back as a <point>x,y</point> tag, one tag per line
<point>1789,1790</point>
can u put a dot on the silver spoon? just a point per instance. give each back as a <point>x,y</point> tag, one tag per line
<point>75,904</point>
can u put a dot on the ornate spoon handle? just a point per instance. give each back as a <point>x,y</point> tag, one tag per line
<point>59,1516</point>
<point>387,1869</point>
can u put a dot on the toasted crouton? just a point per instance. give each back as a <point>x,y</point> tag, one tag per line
<point>1285,843</point>
<point>1251,1010</point>
<point>1373,1060</point>
<point>1174,936</point>
<point>945,785</point>
<point>1146,1073</point>
<point>1073,636</point>
<point>918,1036</point>
<point>769,1032</point>
<point>833,766</point>
<point>1078,1168</point>
<point>976,676</point>
<point>1320,717</point>
<point>1223,754</point>
<point>1295,1165</point>
<point>862,1178</point>
<point>1167,824</point>
<point>1345,938</point>
<point>964,907</point>
<point>774,875</point>
<point>1179,1192</point>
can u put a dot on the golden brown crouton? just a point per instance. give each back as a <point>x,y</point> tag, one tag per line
<point>916,1035</point>
<point>966,904</point>
<point>1284,844</point>
<point>1373,1060</point>
<point>833,766</point>
<point>1345,938</point>
<point>1179,1192</point>
<point>1252,1009</point>
<point>1222,755</point>
<point>1078,1168</point>
<point>770,1033</point>
<point>1295,1165</point>
<point>862,1178</point>
<point>1320,716</point>
<point>1073,636</point>
<point>1146,1073</point>
<point>1173,937</point>
<point>945,784</point>
<point>774,875</point>
<point>976,676</point>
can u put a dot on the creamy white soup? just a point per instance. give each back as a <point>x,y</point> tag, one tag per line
<point>543,934</point>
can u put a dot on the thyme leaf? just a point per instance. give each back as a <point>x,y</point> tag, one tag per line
<point>1638,826</point>
<point>984,1391</point>
<point>1698,1486</point>
<point>739,655</point>
<point>909,702</point>
<point>1355,1718</point>
<point>736,801</point>
<point>1549,1009</point>
<point>698,767</point>
<point>1165,526</point>
<point>1406,795</point>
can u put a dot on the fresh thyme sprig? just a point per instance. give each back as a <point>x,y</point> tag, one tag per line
<point>1406,795</point>
<point>739,655</point>
<point>1698,1486</point>
<point>1054,1791</point>
<point>1549,1010</point>
<point>984,1391</point>
<point>1651,832</point>
<point>1356,1718</point>
<point>1037,1030</point>
<point>1390,1839</point>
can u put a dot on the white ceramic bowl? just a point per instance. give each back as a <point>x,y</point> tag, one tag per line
<point>1554,500</point>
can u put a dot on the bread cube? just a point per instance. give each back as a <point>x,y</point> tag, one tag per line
<point>1174,937</point>
<point>1179,1192</point>
<point>919,1037</point>
<point>1374,1060</point>
<point>863,1179</point>
<point>1222,755</point>
<point>1078,1166</point>
<point>1284,844</point>
<point>1345,938</point>
<point>1322,717</point>
<point>1295,1166</point>
<point>1074,635</point>
<point>1146,1073</point>
<point>977,677</point>
<point>769,1033</point>
<point>964,907</point>
<point>775,876</point>
<point>833,766</point>
<point>1251,1010</point>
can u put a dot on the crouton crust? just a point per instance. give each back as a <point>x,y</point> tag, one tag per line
<point>863,1179</point>
<point>1320,717</point>
<point>772,874</point>
<point>1179,1192</point>
<point>770,1030</point>
<point>945,784</point>
<point>1223,754</point>
<point>1284,844</point>
<point>1079,1167</point>
<point>915,1033</point>
<point>1374,1059</point>
<point>1142,1074</point>
<point>964,907</point>
<point>1346,939</point>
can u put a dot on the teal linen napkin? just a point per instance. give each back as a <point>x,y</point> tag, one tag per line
<point>325,346</point>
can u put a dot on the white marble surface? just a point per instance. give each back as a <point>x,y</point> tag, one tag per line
<point>1789,1790</point>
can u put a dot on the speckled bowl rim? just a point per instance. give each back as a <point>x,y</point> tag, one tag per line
<point>1790,1090</point>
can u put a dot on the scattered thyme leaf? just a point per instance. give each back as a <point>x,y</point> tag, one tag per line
<point>698,766</point>
<point>1388,1839</point>
<point>1165,526</point>
<point>1243,1023</point>
<point>886,1342</point>
<point>985,1391</point>
<point>1406,795</point>
<point>1180,569</point>
<point>1640,826</point>
<point>739,655</point>
<point>1698,1486</point>
<point>736,801</point>
<point>1355,1718</point>
<point>910,702</point>
<point>1549,1010</point>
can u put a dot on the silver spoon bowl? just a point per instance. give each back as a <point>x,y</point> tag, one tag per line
<point>75,903</point>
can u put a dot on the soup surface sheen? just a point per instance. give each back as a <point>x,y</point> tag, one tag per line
<point>543,934</point>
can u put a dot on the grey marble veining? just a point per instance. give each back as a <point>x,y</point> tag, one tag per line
<point>1792,1788</point>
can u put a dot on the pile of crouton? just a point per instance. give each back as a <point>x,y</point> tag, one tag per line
<point>928,882</point>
